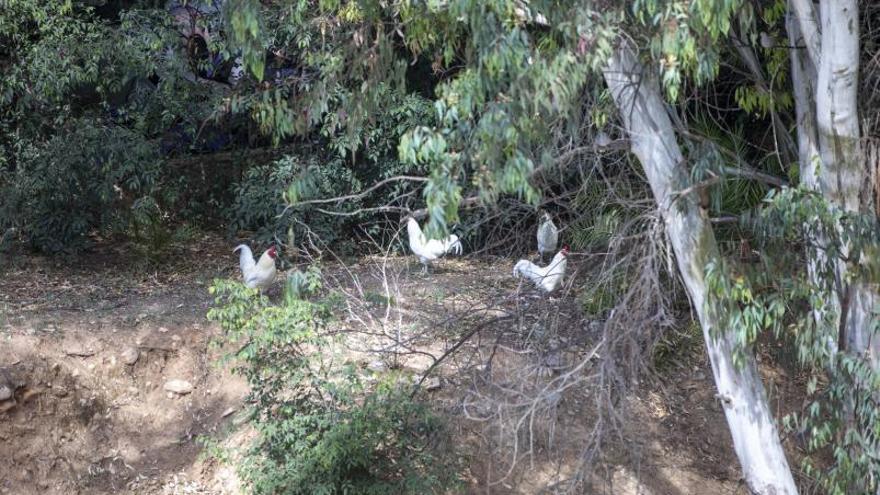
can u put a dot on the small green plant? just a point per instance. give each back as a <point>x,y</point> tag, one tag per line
<point>677,343</point>
<point>379,299</point>
<point>322,429</point>
<point>302,284</point>
<point>602,295</point>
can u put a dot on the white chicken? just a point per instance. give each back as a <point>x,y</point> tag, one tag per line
<point>257,274</point>
<point>429,250</point>
<point>547,278</point>
<point>548,235</point>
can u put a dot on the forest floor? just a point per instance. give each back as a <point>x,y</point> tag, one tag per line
<point>90,343</point>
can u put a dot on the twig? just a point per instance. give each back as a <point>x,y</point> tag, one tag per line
<point>455,347</point>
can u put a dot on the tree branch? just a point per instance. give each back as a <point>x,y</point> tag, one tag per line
<point>745,170</point>
<point>348,197</point>
<point>806,16</point>
<point>423,212</point>
<point>789,150</point>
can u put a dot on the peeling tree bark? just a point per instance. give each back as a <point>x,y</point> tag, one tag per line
<point>755,437</point>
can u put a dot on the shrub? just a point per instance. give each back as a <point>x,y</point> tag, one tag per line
<point>259,203</point>
<point>321,429</point>
<point>341,164</point>
<point>76,182</point>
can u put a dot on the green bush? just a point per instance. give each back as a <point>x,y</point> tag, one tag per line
<point>341,164</point>
<point>321,429</point>
<point>76,182</point>
<point>259,203</point>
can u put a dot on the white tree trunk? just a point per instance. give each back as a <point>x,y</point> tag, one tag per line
<point>808,23</point>
<point>752,426</point>
<point>843,174</point>
<point>803,79</point>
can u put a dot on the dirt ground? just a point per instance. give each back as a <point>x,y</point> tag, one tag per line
<point>93,344</point>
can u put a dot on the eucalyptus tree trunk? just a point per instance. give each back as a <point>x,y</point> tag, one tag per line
<point>642,109</point>
<point>832,48</point>
<point>803,78</point>
<point>844,173</point>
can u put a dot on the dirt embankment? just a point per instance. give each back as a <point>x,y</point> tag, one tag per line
<point>90,349</point>
<point>113,382</point>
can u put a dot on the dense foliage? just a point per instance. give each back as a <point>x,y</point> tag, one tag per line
<point>134,118</point>
<point>323,428</point>
<point>779,296</point>
<point>108,110</point>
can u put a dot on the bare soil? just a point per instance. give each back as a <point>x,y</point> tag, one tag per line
<point>87,418</point>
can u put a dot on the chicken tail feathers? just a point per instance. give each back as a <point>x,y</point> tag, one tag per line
<point>522,268</point>
<point>245,258</point>
<point>454,245</point>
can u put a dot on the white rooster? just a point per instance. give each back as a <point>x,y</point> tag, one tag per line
<point>548,235</point>
<point>257,274</point>
<point>429,250</point>
<point>547,278</point>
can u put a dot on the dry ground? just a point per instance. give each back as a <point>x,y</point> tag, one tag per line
<point>89,343</point>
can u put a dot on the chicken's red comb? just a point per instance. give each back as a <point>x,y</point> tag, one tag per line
<point>565,249</point>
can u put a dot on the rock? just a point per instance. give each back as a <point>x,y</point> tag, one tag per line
<point>376,366</point>
<point>181,387</point>
<point>129,355</point>
<point>5,392</point>
<point>163,330</point>
<point>59,392</point>
<point>432,383</point>
<point>227,412</point>
<point>419,362</point>
<point>554,360</point>
<point>78,349</point>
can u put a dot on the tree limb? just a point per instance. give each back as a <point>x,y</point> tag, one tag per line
<point>745,170</point>
<point>423,212</point>
<point>806,16</point>
<point>348,197</point>
<point>788,148</point>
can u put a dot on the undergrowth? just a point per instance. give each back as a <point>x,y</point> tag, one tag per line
<point>322,428</point>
